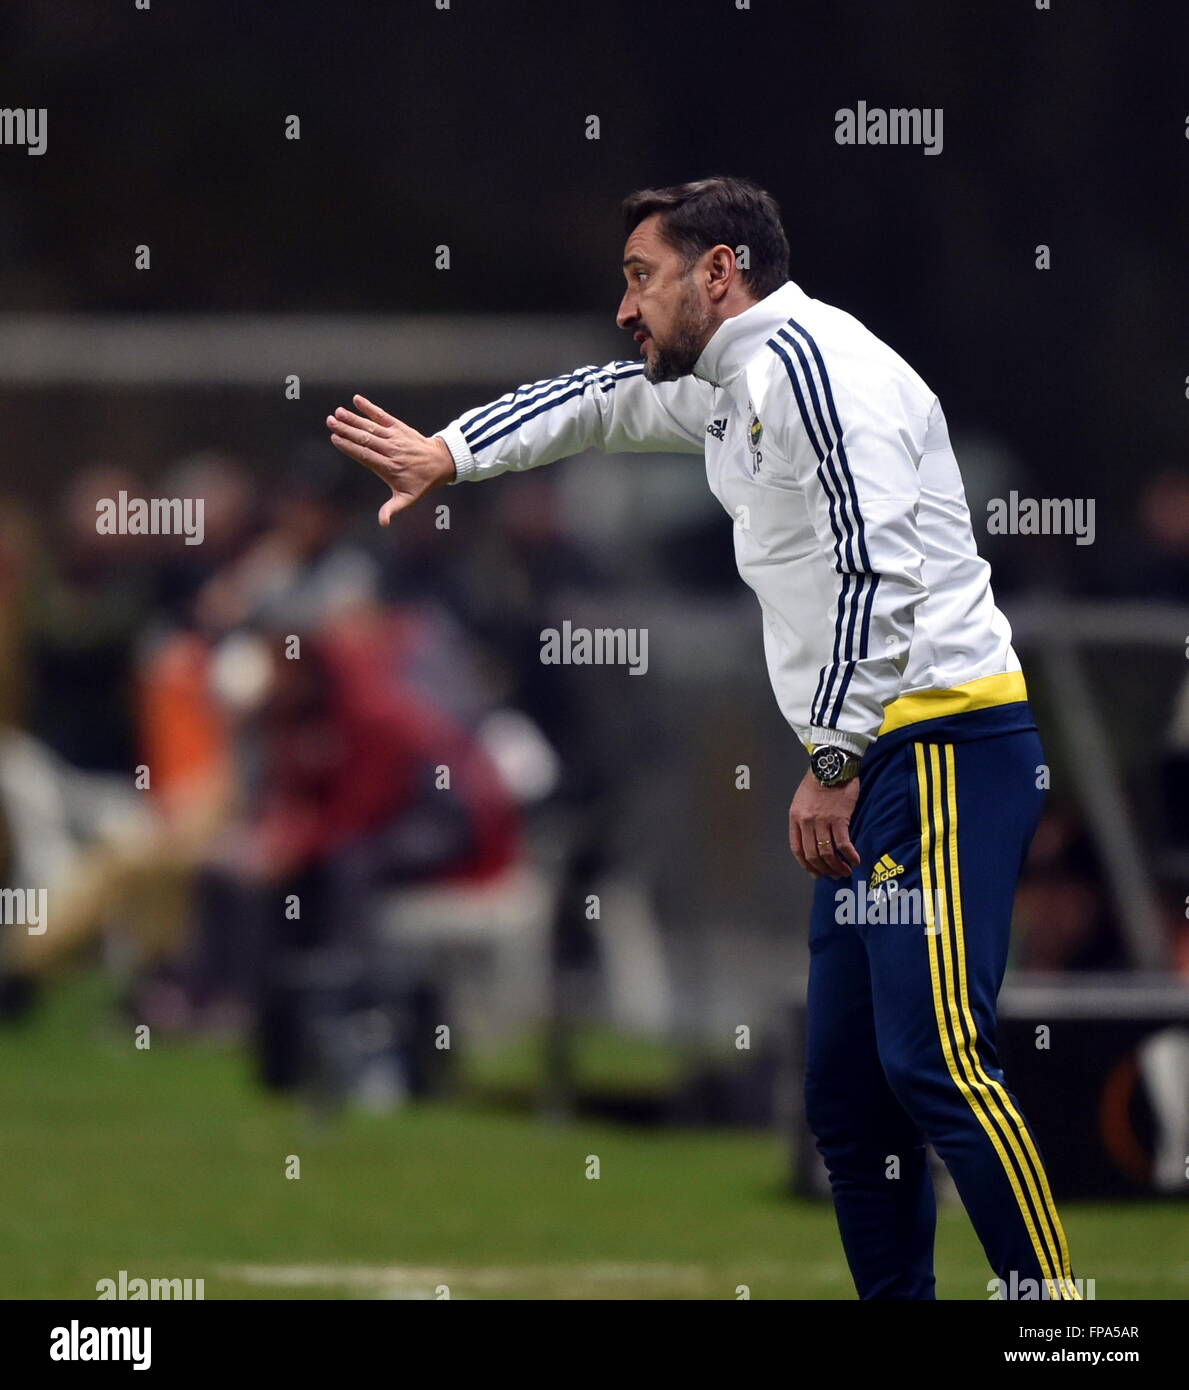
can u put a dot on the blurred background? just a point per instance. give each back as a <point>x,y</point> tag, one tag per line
<point>331,865</point>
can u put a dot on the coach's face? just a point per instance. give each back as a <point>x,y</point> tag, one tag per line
<point>666,306</point>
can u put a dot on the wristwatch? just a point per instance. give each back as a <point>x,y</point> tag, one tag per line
<point>833,767</point>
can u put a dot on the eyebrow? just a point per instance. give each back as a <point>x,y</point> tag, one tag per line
<point>634,259</point>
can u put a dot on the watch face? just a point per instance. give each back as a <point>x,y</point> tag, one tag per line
<point>829,764</point>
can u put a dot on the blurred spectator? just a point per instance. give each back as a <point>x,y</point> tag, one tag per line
<point>230,522</point>
<point>1159,567</point>
<point>303,570</point>
<point>1063,908</point>
<point>90,598</point>
<point>1151,558</point>
<point>362,786</point>
<point>85,842</point>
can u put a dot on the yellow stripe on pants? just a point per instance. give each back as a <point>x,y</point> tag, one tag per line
<point>932,871</point>
<point>1057,1247</point>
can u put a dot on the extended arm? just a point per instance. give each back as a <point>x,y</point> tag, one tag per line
<point>613,409</point>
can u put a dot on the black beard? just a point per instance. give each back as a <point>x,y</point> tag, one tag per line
<point>679,357</point>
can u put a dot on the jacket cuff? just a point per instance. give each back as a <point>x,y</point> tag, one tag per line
<point>465,465</point>
<point>835,738</point>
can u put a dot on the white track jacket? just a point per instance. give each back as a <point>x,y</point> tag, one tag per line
<point>832,458</point>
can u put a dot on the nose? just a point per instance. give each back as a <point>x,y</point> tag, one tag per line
<point>626,313</point>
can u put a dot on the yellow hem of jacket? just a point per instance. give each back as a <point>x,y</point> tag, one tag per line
<point>1004,689</point>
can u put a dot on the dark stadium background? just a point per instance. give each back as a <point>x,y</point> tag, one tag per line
<point>465,127</point>
<point>422,126</point>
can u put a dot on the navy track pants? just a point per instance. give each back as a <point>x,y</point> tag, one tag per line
<point>904,975</point>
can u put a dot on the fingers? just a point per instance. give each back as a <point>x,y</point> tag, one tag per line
<point>370,449</point>
<point>343,416</point>
<point>819,850</point>
<point>408,462</point>
<point>366,439</point>
<point>396,503</point>
<point>819,828</point>
<point>808,855</point>
<point>824,843</point>
<point>373,412</point>
<point>795,844</point>
<point>357,434</point>
<point>844,847</point>
<point>362,454</point>
<point>823,848</point>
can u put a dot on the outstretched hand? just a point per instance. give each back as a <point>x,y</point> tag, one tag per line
<point>411,464</point>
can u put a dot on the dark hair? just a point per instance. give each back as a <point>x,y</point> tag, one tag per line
<point>733,212</point>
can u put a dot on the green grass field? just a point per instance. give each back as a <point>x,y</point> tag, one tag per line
<point>171,1163</point>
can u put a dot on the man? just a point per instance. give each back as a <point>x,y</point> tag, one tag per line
<point>891,663</point>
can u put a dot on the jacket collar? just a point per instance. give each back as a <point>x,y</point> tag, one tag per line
<point>735,339</point>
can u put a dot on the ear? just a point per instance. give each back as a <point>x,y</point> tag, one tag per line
<point>722,272</point>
